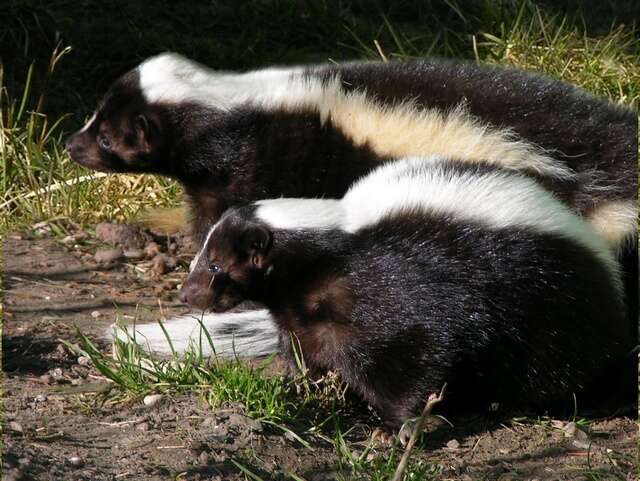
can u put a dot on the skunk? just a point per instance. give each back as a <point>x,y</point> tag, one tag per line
<point>231,138</point>
<point>464,274</point>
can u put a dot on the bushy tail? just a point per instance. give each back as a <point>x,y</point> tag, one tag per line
<point>168,221</point>
<point>243,334</point>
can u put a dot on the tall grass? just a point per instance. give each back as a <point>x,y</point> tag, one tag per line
<point>40,183</point>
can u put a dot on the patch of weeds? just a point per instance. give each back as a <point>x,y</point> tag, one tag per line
<point>39,182</point>
<point>378,464</point>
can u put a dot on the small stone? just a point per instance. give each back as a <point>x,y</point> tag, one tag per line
<point>46,379</point>
<point>123,235</point>
<point>77,382</point>
<point>108,255</point>
<point>572,430</point>
<point>203,459</point>
<point>56,373</point>
<point>152,399</point>
<point>95,314</point>
<point>134,254</point>
<point>40,398</point>
<point>68,240</point>
<point>16,427</point>
<point>580,444</point>
<point>84,361</point>
<point>143,426</point>
<point>556,423</point>
<point>453,444</point>
<point>151,250</point>
<point>75,461</point>
<point>159,265</point>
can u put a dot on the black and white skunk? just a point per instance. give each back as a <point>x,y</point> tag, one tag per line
<point>232,138</point>
<point>469,275</point>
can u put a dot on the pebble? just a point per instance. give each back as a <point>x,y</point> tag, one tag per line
<point>151,250</point>
<point>40,398</point>
<point>77,382</point>
<point>152,399</point>
<point>84,361</point>
<point>95,314</point>
<point>572,430</point>
<point>158,265</point>
<point>134,254</point>
<point>75,461</point>
<point>68,240</point>
<point>108,255</point>
<point>453,444</point>
<point>143,426</point>
<point>121,234</point>
<point>56,372</point>
<point>16,427</point>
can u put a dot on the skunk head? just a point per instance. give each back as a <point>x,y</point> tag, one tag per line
<point>232,264</point>
<point>125,134</point>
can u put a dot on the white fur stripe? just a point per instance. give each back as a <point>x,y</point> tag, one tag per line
<point>301,213</point>
<point>617,221</point>
<point>245,334</point>
<point>390,130</point>
<point>499,200</point>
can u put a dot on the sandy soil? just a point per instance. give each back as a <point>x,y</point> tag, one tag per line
<point>56,426</point>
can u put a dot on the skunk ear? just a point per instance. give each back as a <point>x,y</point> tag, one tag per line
<point>258,241</point>
<point>146,130</point>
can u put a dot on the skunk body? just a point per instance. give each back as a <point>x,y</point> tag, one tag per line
<point>517,302</point>
<point>232,138</point>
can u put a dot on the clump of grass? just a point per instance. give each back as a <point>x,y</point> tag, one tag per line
<point>39,180</point>
<point>557,45</point>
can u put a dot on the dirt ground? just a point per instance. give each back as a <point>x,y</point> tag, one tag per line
<point>54,428</point>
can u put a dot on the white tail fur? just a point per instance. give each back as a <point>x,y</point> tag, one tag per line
<point>243,334</point>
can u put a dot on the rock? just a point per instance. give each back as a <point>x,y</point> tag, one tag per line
<point>151,250</point>
<point>123,235</point>
<point>40,398</point>
<point>159,265</point>
<point>108,255</point>
<point>77,382</point>
<point>84,361</point>
<point>152,399</point>
<point>75,461</point>
<point>68,240</point>
<point>16,427</point>
<point>143,426</point>
<point>203,459</point>
<point>95,314</point>
<point>572,430</point>
<point>580,444</point>
<point>56,372</point>
<point>453,444</point>
<point>134,254</point>
<point>249,423</point>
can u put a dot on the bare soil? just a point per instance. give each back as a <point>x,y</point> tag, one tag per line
<point>58,426</point>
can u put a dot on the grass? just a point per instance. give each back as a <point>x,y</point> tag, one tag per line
<point>274,400</point>
<point>45,96</point>
<point>51,96</point>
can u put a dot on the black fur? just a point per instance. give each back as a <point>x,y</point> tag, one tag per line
<point>417,300</point>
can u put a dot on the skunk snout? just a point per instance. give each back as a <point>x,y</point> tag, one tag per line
<point>195,296</point>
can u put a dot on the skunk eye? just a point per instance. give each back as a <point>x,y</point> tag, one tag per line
<point>104,142</point>
<point>214,268</point>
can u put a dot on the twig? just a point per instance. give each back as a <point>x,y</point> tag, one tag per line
<point>431,401</point>
<point>382,55</point>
